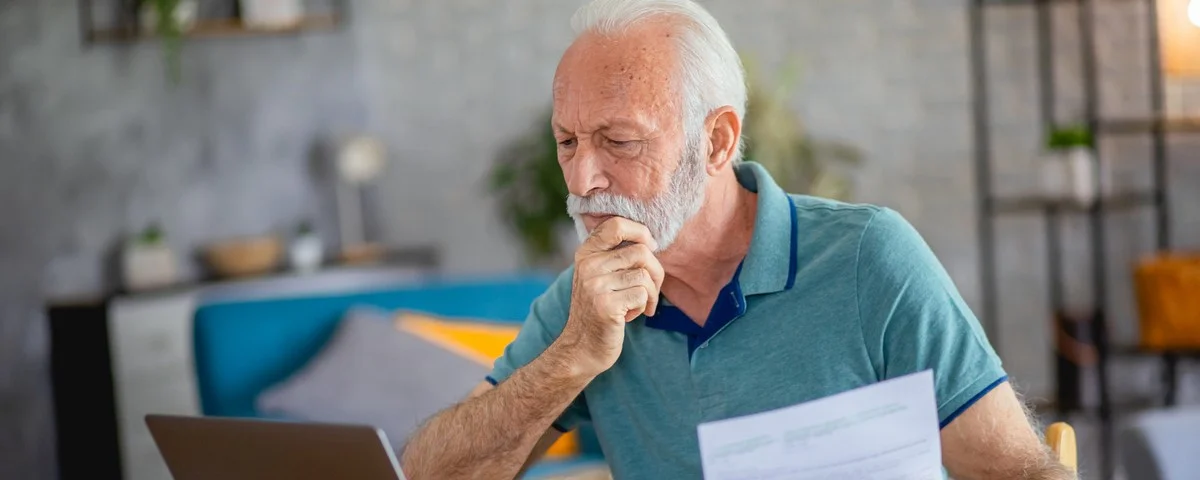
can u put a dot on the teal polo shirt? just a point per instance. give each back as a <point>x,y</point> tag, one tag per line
<point>830,297</point>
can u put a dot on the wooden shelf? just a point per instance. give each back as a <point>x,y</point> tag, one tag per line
<point>1138,351</point>
<point>220,28</point>
<point>1013,3</point>
<point>1149,125</point>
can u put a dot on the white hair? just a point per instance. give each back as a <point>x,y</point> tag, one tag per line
<point>711,73</point>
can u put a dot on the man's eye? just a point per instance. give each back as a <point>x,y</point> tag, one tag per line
<point>620,143</point>
<point>570,142</point>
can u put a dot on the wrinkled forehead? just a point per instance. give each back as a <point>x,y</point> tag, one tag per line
<point>633,73</point>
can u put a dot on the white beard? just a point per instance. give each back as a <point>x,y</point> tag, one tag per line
<point>664,215</point>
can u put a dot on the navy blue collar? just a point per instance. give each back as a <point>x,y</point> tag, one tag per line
<point>770,265</point>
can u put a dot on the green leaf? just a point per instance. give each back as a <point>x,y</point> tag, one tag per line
<point>151,235</point>
<point>1068,137</point>
<point>776,138</point>
<point>530,191</point>
<point>171,34</point>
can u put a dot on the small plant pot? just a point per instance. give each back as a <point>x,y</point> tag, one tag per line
<point>306,253</point>
<point>148,266</point>
<point>272,14</point>
<point>1082,167</point>
<point>1070,174</point>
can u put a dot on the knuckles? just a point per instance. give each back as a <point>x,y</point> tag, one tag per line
<point>635,276</point>
<point>593,285</point>
<point>587,265</point>
<point>639,296</point>
<point>641,250</point>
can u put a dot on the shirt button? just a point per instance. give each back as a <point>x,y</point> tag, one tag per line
<point>704,345</point>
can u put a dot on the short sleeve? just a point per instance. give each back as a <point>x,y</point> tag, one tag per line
<point>547,317</point>
<point>914,319</point>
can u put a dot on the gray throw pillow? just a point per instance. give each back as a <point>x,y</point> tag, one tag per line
<point>372,373</point>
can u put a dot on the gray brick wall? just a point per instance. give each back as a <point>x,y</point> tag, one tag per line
<point>94,144</point>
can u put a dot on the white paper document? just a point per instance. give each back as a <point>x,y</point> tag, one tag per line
<point>885,431</point>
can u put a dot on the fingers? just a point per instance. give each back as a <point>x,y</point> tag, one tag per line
<point>627,293</point>
<point>612,232</point>
<point>625,258</point>
<point>618,262</point>
<point>630,258</point>
<point>633,300</point>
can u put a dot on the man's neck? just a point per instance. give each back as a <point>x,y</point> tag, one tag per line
<point>708,250</point>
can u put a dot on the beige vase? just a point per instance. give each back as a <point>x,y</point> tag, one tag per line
<point>272,13</point>
<point>148,266</point>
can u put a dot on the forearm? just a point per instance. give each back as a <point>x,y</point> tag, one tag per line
<point>1049,469</point>
<point>1037,463</point>
<point>491,436</point>
<point>1034,469</point>
<point>997,438</point>
<point>1055,473</point>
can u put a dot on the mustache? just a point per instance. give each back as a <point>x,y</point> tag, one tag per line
<point>604,203</point>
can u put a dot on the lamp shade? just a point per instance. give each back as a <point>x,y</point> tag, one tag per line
<point>1179,34</point>
<point>361,159</point>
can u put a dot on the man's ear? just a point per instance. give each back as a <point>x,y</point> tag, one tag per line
<point>724,130</point>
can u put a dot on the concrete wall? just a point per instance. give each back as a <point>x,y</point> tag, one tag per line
<point>94,143</point>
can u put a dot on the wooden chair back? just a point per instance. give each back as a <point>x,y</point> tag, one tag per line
<point>1061,439</point>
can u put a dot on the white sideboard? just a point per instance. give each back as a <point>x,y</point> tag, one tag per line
<point>153,372</point>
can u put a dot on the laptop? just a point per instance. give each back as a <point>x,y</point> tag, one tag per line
<point>207,448</point>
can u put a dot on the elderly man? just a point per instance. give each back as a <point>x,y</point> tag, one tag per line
<point>703,291</point>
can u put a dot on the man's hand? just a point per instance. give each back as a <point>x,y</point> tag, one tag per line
<point>616,279</point>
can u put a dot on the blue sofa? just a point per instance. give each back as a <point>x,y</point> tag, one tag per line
<point>247,341</point>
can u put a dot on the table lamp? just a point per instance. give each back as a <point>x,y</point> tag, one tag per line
<point>360,160</point>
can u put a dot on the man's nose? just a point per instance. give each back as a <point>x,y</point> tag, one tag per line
<point>584,173</point>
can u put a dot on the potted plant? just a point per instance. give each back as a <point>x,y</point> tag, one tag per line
<point>306,251</point>
<point>147,261</point>
<point>169,19</point>
<point>776,139</point>
<point>531,192</point>
<point>1071,167</point>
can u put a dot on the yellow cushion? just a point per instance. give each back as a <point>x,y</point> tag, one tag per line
<point>479,341</point>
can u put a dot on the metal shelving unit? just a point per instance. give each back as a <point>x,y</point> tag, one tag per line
<point>1081,340</point>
